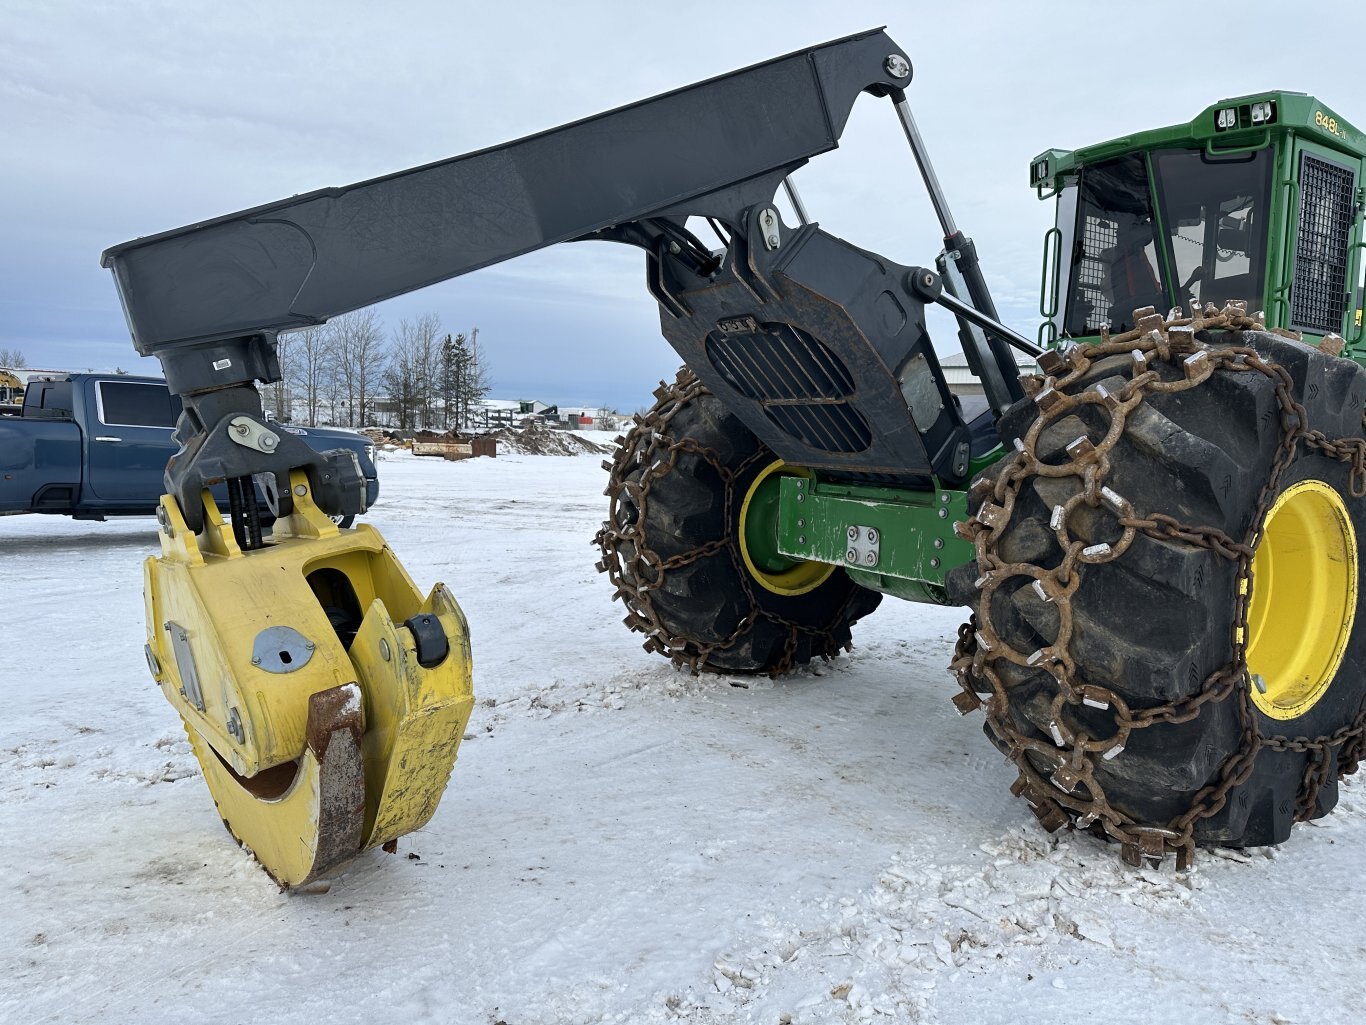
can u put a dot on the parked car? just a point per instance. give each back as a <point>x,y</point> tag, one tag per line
<point>91,446</point>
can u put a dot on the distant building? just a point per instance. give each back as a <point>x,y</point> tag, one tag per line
<point>960,378</point>
<point>494,413</point>
<point>591,418</point>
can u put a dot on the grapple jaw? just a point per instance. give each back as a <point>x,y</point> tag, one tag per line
<point>324,698</point>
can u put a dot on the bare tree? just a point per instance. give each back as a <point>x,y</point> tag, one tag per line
<point>412,373</point>
<point>401,378</point>
<point>359,357</point>
<point>426,339</point>
<point>312,361</point>
<point>12,358</point>
<point>279,392</point>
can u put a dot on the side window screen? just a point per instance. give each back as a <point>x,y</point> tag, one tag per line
<point>1318,299</point>
<point>126,404</point>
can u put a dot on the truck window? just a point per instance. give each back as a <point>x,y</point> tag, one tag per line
<point>135,404</point>
<point>48,399</point>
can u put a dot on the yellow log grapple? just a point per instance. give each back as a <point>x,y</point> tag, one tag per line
<point>323,697</point>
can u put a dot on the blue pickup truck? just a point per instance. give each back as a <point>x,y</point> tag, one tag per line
<point>96,445</point>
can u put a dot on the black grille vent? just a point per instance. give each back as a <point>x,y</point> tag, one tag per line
<point>1318,299</point>
<point>799,383</point>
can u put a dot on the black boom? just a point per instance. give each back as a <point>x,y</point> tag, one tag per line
<point>818,346</point>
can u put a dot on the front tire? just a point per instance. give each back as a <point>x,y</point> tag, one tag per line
<point>1117,685</point>
<point>681,486</point>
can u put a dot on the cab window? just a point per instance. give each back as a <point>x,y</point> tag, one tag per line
<point>135,404</point>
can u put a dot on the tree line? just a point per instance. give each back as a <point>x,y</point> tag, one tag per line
<point>350,372</point>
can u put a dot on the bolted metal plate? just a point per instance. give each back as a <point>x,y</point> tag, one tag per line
<point>865,546</point>
<point>184,663</point>
<point>281,649</point>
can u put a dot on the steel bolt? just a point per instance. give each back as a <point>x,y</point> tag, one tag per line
<point>801,540</point>
<point>773,241</point>
<point>853,533</point>
<point>943,514</point>
<point>801,523</point>
<point>851,556</point>
<point>871,558</point>
<point>897,66</point>
<point>269,441</point>
<point>872,535</point>
<point>939,542</point>
<point>256,660</point>
<point>934,564</point>
<point>300,490</point>
<point>384,649</point>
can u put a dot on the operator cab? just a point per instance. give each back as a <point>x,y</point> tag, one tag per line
<point>1192,215</point>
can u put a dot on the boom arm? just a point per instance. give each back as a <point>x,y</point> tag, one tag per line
<point>302,260</point>
<point>859,390</point>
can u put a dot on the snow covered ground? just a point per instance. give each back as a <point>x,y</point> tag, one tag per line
<point>620,842</point>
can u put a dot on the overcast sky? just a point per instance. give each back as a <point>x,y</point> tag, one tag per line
<point>121,119</point>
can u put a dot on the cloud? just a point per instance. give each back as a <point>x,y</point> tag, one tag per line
<point>126,119</point>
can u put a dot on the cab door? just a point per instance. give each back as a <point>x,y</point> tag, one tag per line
<point>130,440</point>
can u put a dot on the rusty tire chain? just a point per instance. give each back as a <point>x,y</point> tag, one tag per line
<point>1071,791</point>
<point>636,571</point>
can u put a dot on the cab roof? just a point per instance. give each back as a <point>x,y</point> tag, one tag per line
<point>1237,123</point>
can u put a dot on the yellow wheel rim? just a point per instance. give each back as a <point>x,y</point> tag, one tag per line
<point>1304,599</point>
<point>759,542</point>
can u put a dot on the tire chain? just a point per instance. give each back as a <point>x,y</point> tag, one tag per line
<point>650,450</point>
<point>1071,792</point>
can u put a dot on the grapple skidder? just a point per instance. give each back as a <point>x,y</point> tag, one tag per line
<point>1157,532</point>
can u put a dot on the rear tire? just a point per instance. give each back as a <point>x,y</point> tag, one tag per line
<point>672,545</point>
<point>1152,626</point>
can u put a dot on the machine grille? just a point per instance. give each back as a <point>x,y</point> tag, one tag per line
<point>1318,298</point>
<point>801,386</point>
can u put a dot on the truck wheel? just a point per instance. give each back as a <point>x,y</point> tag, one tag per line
<point>683,545</point>
<point>1174,654</point>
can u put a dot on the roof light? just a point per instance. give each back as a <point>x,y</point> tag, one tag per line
<point>1263,112</point>
<point>1038,171</point>
<point>1226,119</point>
